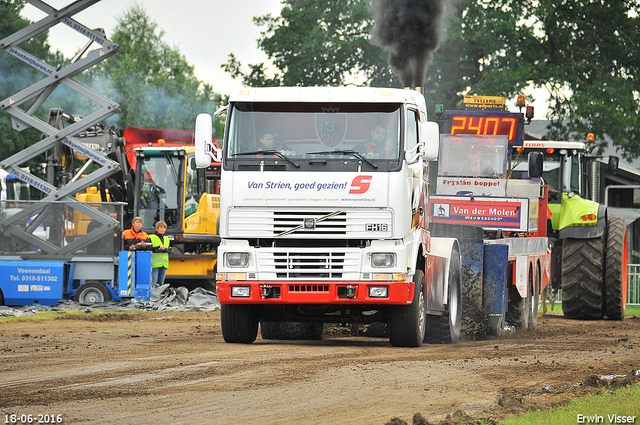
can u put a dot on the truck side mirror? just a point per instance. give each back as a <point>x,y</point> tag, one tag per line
<point>206,151</point>
<point>612,165</point>
<point>536,160</point>
<point>430,137</point>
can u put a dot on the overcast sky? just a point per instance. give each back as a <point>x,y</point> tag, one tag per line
<point>205,31</point>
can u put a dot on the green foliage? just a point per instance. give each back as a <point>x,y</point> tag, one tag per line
<point>15,75</point>
<point>318,42</point>
<point>592,47</point>
<point>481,52</point>
<point>257,77</point>
<point>586,53</point>
<point>588,48</point>
<point>152,81</point>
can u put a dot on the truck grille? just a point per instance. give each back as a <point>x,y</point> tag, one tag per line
<point>354,224</point>
<point>283,221</point>
<point>304,264</point>
<point>309,265</point>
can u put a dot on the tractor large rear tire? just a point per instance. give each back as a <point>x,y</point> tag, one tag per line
<point>616,268</point>
<point>239,324</point>
<point>407,322</point>
<point>445,329</point>
<point>582,278</point>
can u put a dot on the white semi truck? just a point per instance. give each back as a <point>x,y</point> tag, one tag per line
<point>322,220</point>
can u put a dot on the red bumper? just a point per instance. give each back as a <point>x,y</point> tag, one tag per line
<point>279,292</point>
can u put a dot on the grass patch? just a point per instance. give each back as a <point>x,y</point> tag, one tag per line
<point>72,314</point>
<point>600,408</point>
<point>557,310</point>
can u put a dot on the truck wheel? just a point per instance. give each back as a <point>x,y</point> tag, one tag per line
<point>520,309</point>
<point>292,330</point>
<point>616,269</point>
<point>1,297</point>
<point>92,293</point>
<point>582,278</point>
<point>534,290</point>
<point>445,329</point>
<point>238,323</point>
<point>407,323</point>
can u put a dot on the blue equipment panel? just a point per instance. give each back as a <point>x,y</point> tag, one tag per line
<point>143,276</point>
<point>31,282</point>
<point>134,275</point>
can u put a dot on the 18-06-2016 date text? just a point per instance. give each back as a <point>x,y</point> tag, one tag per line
<point>12,418</point>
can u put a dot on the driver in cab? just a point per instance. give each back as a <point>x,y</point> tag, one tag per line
<point>378,146</point>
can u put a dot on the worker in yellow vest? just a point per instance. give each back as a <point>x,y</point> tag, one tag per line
<point>160,256</point>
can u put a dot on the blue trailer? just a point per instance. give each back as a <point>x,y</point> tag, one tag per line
<point>85,279</point>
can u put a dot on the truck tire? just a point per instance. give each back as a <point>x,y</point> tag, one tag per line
<point>535,299</point>
<point>92,293</point>
<point>407,323</point>
<point>1,297</point>
<point>616,268</point>
<point>445,329</point>
<point>582,278</point>
<point>239,324</point>
<point>519,309</point>
<point>292,330</point>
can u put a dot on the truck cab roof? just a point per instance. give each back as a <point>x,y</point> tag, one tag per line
<point>328,94</point>
<point>554,144</point>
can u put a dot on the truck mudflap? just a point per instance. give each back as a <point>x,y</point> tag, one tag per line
<point>315,292</point>
<point>494,296</point>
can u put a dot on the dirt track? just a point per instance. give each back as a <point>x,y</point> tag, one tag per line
<point>174,367</point>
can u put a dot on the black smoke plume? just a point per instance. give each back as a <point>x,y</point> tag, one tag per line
<point>410,31</point>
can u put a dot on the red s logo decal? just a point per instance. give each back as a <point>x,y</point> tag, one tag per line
<point>360,184</point>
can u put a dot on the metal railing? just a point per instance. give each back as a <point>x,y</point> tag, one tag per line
<point>633,286</point>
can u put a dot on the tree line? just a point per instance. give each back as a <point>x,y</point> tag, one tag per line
<point>585,53</point>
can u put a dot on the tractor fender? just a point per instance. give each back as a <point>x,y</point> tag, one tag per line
<point>587,232</point>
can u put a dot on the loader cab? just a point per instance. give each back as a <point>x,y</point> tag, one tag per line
<point>14,189</point>
<point>167,188</point>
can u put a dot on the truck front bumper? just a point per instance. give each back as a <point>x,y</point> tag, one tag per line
<point>315,292</point>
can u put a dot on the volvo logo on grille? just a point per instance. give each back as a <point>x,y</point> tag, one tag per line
<point>309,223</point>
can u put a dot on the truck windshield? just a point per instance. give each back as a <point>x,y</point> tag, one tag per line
<point>159,190</point>
<point>473,156</point>
<point>302,131</point>
<point>560,172</point>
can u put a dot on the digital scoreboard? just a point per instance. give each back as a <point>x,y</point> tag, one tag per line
<point>486,123</point>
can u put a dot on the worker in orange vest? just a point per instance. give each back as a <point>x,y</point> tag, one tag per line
<point>136,238</point>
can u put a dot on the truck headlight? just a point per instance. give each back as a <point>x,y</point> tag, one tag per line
<point>378,292</point>
<point>236,259</point>
<point>240,291</point>
<point>383,260</point>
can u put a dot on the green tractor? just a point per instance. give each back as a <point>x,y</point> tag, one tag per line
<point>589,248</point>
